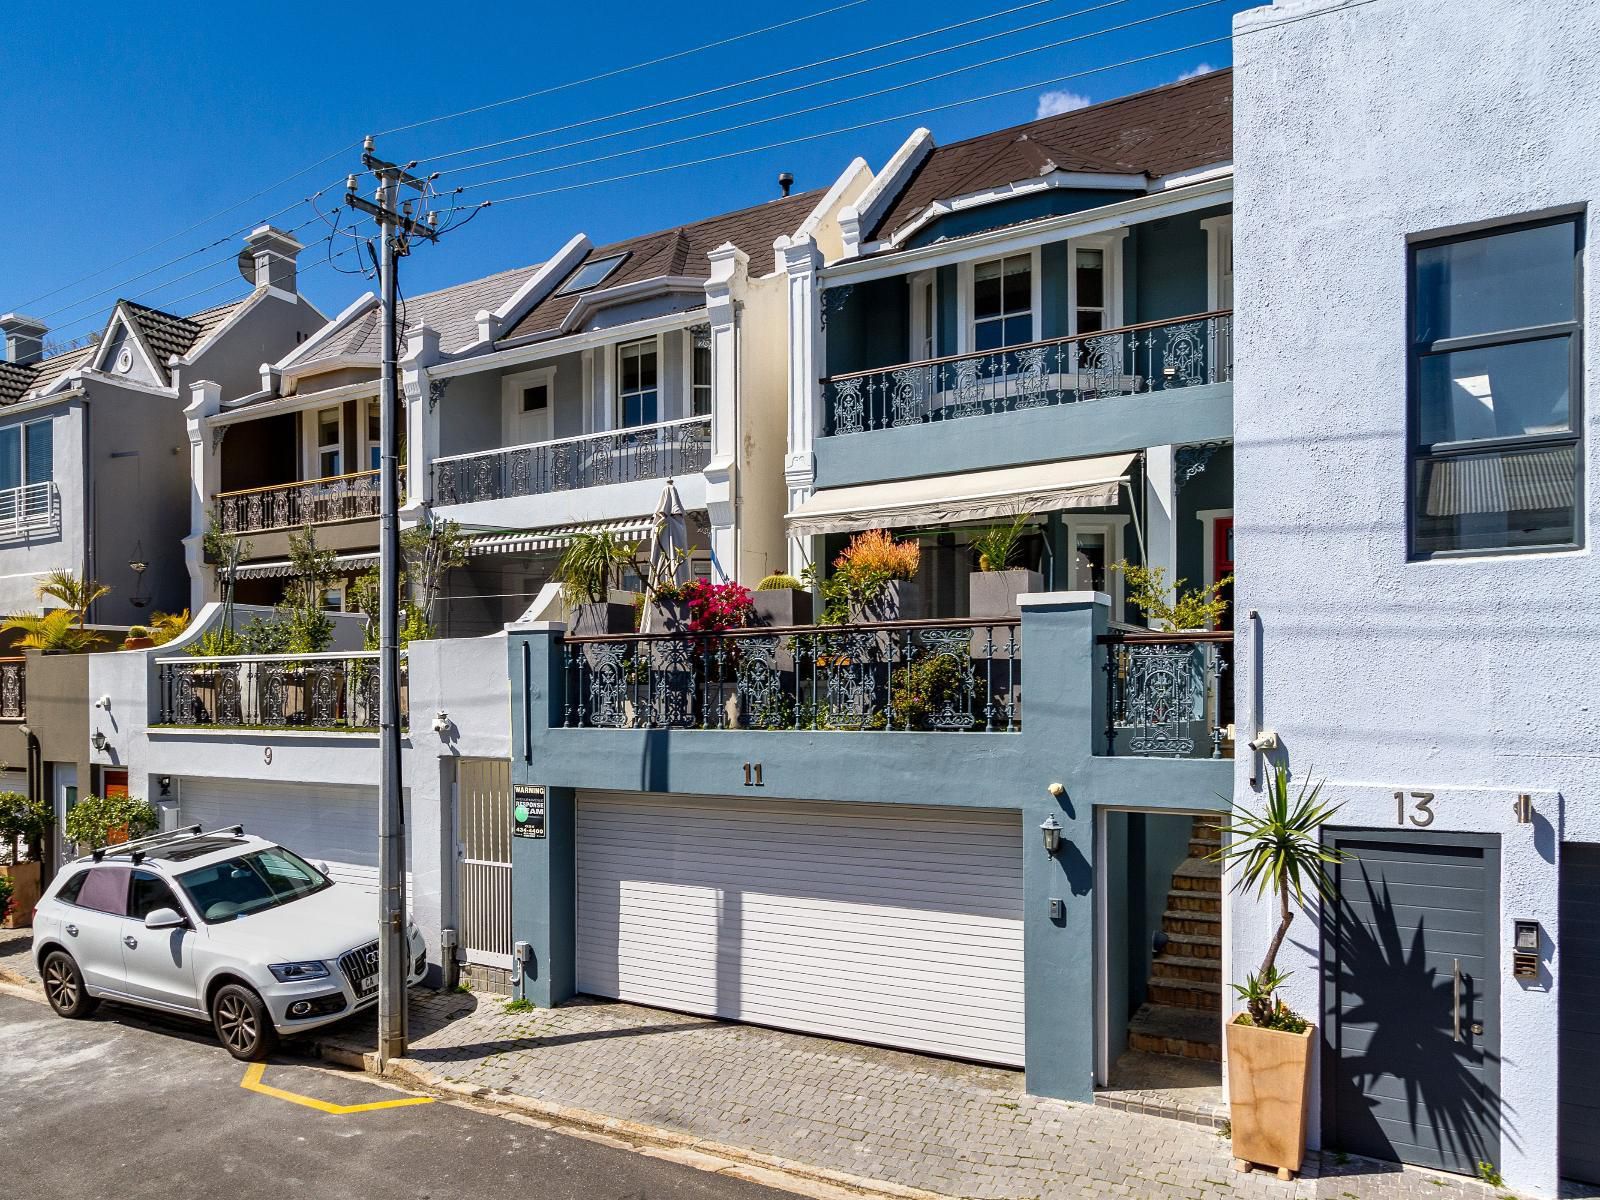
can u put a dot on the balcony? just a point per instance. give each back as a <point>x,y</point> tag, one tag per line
<point>895,677</point>
<point>619,456</point>
<point>13,689</point>
<point>281,506</point>
<point>1132,360</point>
<point>335,692</point>
<point>1168,695</point>
<point>29,510</point>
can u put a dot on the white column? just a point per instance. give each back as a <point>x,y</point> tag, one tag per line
<point>724,298</point>
<point>422,397</point>
<point>1161,512</point>
<point>800,260</point>
<point>205,475</point>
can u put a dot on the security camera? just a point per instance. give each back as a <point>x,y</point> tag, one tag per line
<point>1266,740</point>
<point>441,722</point>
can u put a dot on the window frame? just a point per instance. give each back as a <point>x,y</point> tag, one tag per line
<point>620,396</point>
<point>1110,246</point>
<point>1417,351</point>
<point>24,458</point>
<point>610,262</point>
<point>969,292</point>
<point>691,355</point>
<point>318,449</point>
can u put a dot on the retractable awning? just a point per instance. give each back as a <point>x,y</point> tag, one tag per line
<point>525,541</point>
<point>974,496</point>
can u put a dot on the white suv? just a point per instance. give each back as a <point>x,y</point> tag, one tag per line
<point>220,926</point>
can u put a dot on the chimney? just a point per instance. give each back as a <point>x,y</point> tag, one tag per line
<point>785,181</point>
<point>269,258</point>
<point>24,338</point>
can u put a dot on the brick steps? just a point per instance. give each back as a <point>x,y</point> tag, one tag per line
<point>1158,1029</point>
<point>1184,1014</point>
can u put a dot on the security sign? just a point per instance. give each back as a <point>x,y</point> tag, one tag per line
<point>527,811</point>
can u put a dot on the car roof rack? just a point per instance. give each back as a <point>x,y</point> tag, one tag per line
<point>139,847</point>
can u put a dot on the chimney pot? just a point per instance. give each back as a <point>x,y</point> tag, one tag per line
<point>24,338</point>
<point>785,181</point>
<point>273,254</point>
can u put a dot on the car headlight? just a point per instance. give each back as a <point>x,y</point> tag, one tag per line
<point>296,971</point>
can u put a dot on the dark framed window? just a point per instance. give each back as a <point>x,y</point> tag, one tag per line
<point>536,398</point>
<point>1495,382</point>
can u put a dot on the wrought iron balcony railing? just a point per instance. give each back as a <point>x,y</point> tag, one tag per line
<point>13,689</point>
<point>1169,695</point>
<point>904,676</point>
<point>274,691</point>
<point>30,509</point>
<point>617,456</point>
<point>294,505</point>
<point>1134,359</point>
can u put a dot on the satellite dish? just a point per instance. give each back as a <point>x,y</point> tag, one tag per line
<point>247,264</point>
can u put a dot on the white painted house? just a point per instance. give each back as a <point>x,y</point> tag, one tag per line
<point>1416,589</point>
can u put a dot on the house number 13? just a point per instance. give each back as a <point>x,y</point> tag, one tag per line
<point>1422,802</point>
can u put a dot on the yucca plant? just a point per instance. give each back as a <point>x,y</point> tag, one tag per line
<point>1276,851</point>
<point>166,626</point>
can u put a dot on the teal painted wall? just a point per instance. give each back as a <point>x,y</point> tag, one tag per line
<point>1211,489</point>
<point>870,327</point>
<point>1055,202</point>
<point>1056,744</point>
<point>1165,271</point>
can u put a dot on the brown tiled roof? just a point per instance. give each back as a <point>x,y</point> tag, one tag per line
<point>14,382</point>
<point>1172,128</point>
<point>166,335</point>
<point>452,312</point>
<point>681,251</point>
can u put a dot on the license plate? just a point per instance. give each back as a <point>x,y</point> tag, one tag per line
<point>369,984</point>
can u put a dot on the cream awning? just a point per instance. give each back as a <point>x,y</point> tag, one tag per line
<point>974,496</point>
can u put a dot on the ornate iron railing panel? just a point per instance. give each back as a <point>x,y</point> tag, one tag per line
<point>275,691</point>
<point>1168,695</point>
<point>929,676</point>
<point>295,505</point>
<point>594,460</point>
<point>1128,361</point>
<point>13,689</point>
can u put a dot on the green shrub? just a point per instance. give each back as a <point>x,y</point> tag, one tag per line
<point>26,821</point>
<point>780,583</point>
<point>93,819</point>
<point>5,896</point>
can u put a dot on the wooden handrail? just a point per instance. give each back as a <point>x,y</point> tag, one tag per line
<point>1055,341</point>
<point>280,487</point>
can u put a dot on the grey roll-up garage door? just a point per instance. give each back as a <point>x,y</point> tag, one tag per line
<point>1579,964</point>
<point>900,926</point>
<point>1412,999</point>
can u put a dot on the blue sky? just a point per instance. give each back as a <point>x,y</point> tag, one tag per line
<point>126,133</point>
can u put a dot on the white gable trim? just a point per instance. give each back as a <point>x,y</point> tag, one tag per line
<point>95,375</point>
<point>1195,175</point>
<point>354,309</point>
<point>533,291</point>
<point>121,316</point>
<point>859,217</point>
<point>847,179</point>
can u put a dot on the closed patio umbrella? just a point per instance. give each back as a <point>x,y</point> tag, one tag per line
<point>669,548</point>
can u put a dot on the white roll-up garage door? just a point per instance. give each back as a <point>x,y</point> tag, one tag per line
<point>321,823</point>
<point>878,923</point>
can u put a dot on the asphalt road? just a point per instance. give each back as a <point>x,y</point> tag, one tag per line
<point>124,1106</point>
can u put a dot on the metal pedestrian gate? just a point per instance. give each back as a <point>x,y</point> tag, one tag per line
<point>483,876</point>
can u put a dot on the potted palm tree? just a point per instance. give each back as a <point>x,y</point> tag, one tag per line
<point>994,587</point>
<point>591,563</point>
<point>1276,852</point>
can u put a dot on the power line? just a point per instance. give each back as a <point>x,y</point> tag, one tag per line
<point>854,98</point>
<point>703,93</point>
<point>613,73</point>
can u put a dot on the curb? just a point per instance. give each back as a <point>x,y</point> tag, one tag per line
<point>700,1153</point>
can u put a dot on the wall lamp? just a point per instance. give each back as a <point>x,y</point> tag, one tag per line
<point>98,741</point>
<point>1051,829</point>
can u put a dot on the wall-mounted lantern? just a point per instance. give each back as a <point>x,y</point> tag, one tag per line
<point>1051,829</point>
<point>98,741</point>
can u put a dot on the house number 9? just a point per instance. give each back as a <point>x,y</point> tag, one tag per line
<point>1421,801</point>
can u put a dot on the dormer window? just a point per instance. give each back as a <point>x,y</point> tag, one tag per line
<point>591,274</point>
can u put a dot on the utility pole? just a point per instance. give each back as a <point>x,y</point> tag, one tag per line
<point>395,228</point>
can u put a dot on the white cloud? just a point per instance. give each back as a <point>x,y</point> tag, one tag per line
<point>1053,104</point>
<point>1199,69</point>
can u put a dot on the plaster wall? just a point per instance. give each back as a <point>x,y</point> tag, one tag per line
<point>763,419</point>
<point>24,559</point>
<point>1357,126</point>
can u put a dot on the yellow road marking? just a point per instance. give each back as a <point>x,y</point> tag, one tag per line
<point>252,1082</point>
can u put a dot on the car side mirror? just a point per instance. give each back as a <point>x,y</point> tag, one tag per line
<point>164,918</point>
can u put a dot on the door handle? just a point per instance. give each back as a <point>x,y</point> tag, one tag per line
<point>1455,994</point>
<point>132,943</point>
<point>72,930</point>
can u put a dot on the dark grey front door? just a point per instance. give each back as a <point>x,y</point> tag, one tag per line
<point>1579,967</point>
<point>1411,1000</point>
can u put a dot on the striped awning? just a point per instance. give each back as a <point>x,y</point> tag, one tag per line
<point>1509,482</point>
<point>522,541</point>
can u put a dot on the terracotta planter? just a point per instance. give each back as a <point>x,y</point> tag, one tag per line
<point>26,887</point>
<point>1269,1084</point>
<point>137,643</point>
<point>781,608</point>
<point>992,595</point>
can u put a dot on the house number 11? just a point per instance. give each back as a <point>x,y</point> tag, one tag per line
<point>1422,802</point>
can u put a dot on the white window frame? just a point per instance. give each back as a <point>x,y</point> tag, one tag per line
<point>1110,246</point>
<point>369,408</point>
<point>966,278</point>
<point>688,372</point>
<point>1113,527</point>
<point>924,341</point>
<point>313,447</point>
<point>22,428</point>
<point>511,389</point>
<point>616,380</point>
<point>338,593</point>
<point>1219,251</point>
<point>1208,518</point>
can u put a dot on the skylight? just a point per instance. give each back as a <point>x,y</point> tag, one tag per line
<point>591,274</point>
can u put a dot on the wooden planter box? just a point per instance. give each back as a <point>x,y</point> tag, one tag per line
<point>783,607</point>
<point>26,888</point>
<point>992,595</point>
<point>1269,1083</point>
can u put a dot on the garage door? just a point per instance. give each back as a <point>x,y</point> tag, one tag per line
<point>876,923</point>
<point>335,825</point>
<point>1579,966</point>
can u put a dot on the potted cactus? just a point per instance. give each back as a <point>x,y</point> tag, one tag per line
<point>138,638</point>
<point>781,600</point>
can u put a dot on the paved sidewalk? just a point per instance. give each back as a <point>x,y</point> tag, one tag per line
<point>926,1123</point>
<point>16,958</point>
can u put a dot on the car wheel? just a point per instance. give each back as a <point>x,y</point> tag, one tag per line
<point>63,986</point>
<point>242,1023</point>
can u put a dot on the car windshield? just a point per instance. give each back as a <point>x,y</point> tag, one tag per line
<point>240,886</point>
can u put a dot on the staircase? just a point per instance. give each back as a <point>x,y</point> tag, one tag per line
<point>1183,1015</point>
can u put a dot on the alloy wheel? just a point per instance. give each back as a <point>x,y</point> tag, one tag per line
<point>61,984</point>
<point>237,1023</point>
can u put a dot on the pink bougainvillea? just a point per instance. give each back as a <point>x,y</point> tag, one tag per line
<point>716,606</point>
